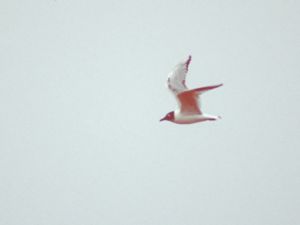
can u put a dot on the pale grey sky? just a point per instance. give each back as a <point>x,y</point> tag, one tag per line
<point>82,87</point>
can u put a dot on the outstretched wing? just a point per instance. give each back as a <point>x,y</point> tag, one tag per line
<point>189,102</point>
<point>176,79</point>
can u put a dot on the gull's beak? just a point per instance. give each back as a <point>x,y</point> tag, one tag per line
<point>162,119</point>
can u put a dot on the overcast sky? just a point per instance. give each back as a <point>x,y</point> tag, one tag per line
<point>82,88</point>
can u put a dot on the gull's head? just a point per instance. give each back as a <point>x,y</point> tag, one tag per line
<point>169,117</point>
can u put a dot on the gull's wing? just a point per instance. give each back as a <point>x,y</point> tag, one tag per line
<point>176,79</point>
<point>189,100</point>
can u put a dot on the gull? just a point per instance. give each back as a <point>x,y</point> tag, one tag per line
<point>188,99</point>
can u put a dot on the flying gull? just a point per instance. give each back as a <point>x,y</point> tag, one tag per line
<point>188,99</point>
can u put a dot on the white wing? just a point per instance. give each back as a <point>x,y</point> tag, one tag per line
<point>176,79</point>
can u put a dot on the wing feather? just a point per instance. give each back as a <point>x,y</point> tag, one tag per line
<point>189,102</point>
<point>176,79</point>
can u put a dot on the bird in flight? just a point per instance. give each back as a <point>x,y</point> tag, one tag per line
<point>188,99</point>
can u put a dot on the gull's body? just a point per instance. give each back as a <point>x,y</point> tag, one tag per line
<point>188,99</point>
<point>195,118</point>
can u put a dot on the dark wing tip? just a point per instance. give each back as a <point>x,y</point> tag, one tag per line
<point>187,63</point>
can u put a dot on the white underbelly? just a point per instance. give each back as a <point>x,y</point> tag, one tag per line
<point>188,119</point>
